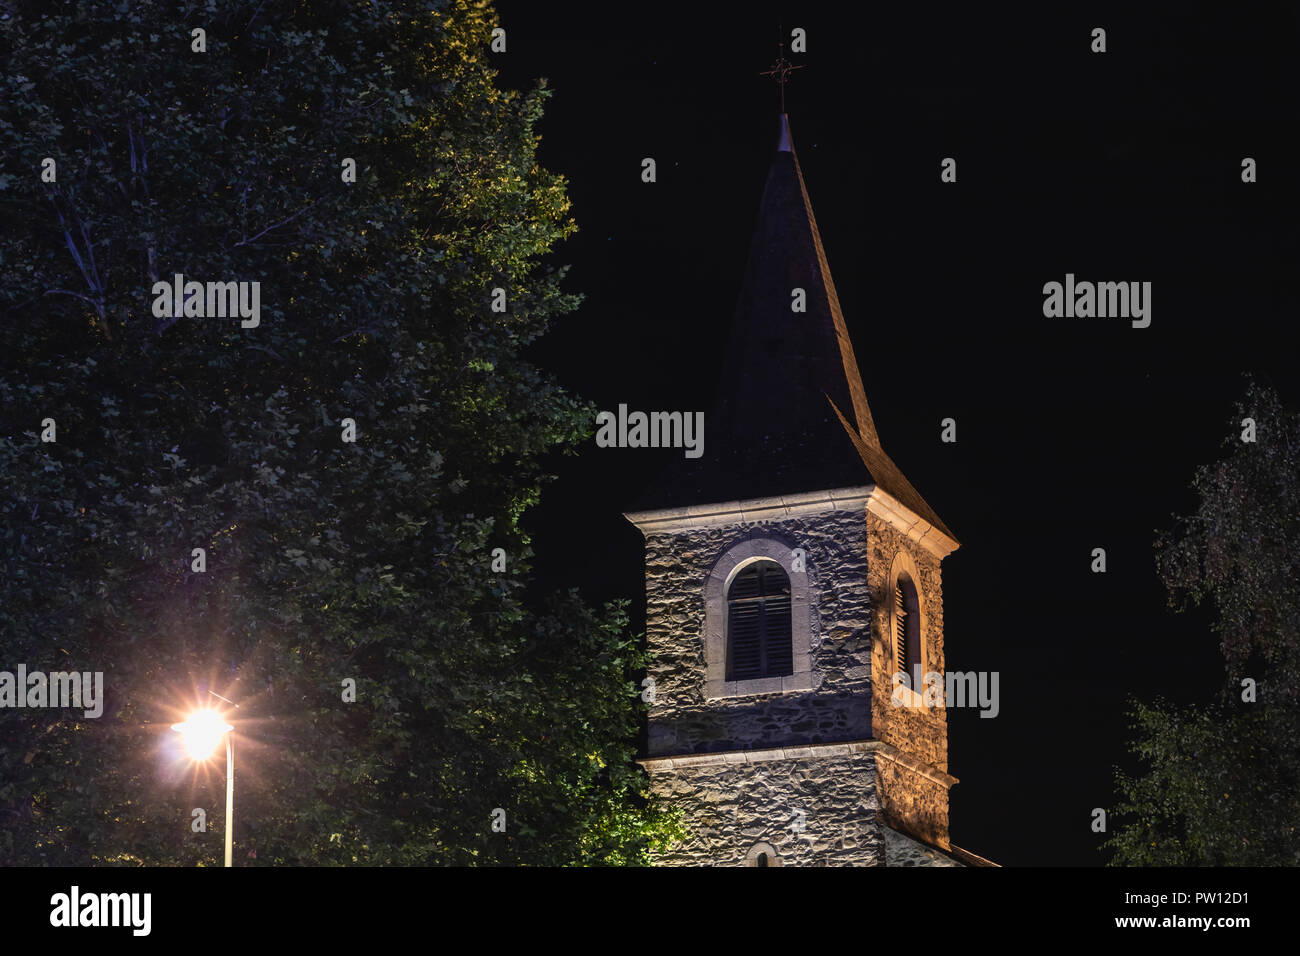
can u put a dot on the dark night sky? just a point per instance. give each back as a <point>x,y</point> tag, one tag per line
<point>1073,433</point>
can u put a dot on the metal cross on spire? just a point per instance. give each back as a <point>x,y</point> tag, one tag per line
<point>781,71</point>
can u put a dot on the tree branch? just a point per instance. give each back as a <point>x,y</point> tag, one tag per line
<point>276,225</point>
<point>75,295</point>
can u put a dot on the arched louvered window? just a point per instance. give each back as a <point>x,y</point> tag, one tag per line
<point>758,623</point>
<point>907,631</point>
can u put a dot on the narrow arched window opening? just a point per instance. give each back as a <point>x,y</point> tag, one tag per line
<point>907,631</point>
<point>759,623</point>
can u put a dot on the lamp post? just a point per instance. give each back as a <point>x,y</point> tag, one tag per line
<point>202,732</point>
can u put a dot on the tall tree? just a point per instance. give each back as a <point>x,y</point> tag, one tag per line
<point>1222,781</point>
<point>483,730</point>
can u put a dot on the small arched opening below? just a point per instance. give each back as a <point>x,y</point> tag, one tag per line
<point>762,854</point>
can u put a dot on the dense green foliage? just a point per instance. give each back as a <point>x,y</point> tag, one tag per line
<point>326,560</point>
<point>1222,784</point>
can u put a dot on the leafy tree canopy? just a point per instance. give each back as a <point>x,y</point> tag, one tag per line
<point>1221,780</point>
<point>326,560</point>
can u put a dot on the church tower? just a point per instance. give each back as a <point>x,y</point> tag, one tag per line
<point>791,572</point>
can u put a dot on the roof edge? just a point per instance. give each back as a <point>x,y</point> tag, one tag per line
<point>750,510</point>
<point>969,858</point>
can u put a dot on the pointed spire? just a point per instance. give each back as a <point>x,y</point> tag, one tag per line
<point>865,439</point>
<point>858,395</point>
<point>792,414</point>
<point>783,144</point>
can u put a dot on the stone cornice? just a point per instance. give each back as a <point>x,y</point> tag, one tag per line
<point>915,528</point>
<point>876,500</point>
<point>804,752</point>
<point>752,510</point>
<point>813,751</point>
<point>893,754</point>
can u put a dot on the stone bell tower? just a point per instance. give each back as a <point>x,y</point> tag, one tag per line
<point>791,572</point>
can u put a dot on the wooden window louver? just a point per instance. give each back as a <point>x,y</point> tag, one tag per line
<point>759,636</point>
<point>907,631</point>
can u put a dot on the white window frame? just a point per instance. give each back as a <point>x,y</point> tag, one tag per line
<point>725,569</point>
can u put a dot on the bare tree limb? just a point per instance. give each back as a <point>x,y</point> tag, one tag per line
<point>275,225</point>
<point>75,295</point>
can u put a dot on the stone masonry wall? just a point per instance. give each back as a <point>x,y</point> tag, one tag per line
<point>912,803</point>
<point>838,708</point>
<point>731,807</point>
<point>732,804</point>
<point>900,850</point>
<point>908,800</point>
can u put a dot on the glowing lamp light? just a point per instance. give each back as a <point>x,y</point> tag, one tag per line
<point>202,732</point>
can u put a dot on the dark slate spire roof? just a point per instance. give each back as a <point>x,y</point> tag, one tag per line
<point>791,414</point>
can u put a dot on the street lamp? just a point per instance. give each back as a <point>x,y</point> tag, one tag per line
<point>202,732</point>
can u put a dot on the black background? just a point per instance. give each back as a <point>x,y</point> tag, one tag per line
<point>1072,433</point>
<point>248,908</point>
